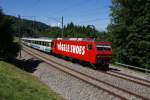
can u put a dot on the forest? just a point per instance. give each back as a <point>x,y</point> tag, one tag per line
<point>129,31</point>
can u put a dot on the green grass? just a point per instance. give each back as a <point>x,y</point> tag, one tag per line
<point>16,84</point>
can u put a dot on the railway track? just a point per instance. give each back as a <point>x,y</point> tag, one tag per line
<point>130,78</point>
<point>111,89</point>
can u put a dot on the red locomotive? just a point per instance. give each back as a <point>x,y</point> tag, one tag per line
<point>96,53</point>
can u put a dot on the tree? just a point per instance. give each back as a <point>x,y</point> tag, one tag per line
<point>130,31</point>
<point>8,49</point>
<point>74,31</point>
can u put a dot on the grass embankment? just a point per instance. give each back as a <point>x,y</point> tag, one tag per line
<point>16,84</point>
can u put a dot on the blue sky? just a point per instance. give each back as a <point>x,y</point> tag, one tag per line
<point>81,12</point>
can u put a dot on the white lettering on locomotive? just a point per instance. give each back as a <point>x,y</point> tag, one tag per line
<point>76,49</point>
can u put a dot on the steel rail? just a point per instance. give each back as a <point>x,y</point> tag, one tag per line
<point>130,78</point>
<point>115,94</point>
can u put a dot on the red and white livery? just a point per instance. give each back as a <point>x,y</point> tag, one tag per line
<point>96,53</point>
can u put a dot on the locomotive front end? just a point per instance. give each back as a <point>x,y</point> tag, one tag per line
<point>104,54</point>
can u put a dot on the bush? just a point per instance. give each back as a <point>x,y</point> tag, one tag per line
<point>8,49</point>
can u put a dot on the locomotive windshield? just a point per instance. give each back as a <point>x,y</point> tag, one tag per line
<point>103,47</point>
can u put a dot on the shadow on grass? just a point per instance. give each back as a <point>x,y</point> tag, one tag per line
<point>29,65</point>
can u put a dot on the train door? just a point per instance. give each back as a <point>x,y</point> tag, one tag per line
<point>90,56</point>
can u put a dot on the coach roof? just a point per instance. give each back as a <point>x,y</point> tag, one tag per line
<point>39,39</point>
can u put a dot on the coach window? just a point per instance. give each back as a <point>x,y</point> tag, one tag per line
<point>44,43</point>
<point>38,42</point>
<point>49,44</point>
<point>90,46</point>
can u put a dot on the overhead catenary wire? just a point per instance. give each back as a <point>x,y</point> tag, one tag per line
<point>86,13</point>
<point>93,20</point>
<point>85,22</point>
<point>54,18</point>
<point>83,15</point>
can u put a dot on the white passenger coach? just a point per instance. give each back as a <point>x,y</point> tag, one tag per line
<point>38,43</point>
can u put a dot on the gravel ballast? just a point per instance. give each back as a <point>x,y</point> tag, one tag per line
<point>67,86</point>
<point>127,85</point>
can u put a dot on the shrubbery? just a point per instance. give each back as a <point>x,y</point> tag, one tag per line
<point>8,48</point>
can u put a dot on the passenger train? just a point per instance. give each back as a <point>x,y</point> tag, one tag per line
<point>38,43</point>
<point>86,50</point>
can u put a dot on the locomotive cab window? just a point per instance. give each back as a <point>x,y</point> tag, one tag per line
<point>103,47</point>
<point>90,46</point>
